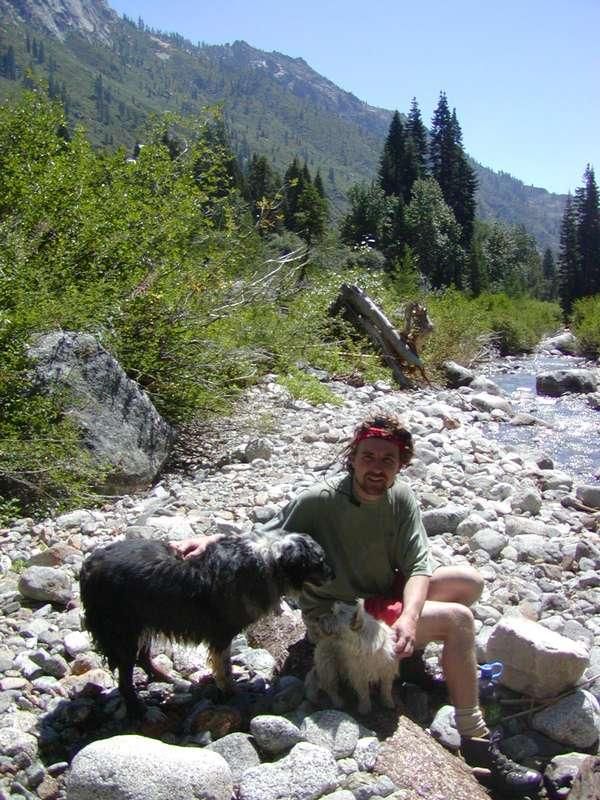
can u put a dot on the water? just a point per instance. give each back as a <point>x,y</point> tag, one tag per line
<point>570,434</point>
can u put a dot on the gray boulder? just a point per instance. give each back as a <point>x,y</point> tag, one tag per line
<point>139,768</point>
<point>555,383</point>
<point>308,772</point>
<point>46,584</point>
<point>565,342</point>
<point>456,375</point>
<point>118,423</point>
<point>445,519</point>
<point>537,661</point>
<point>573,721</point>
<point>589,495</point>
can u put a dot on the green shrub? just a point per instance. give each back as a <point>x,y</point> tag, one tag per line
<point>586,325</point>
<point>306,387</point>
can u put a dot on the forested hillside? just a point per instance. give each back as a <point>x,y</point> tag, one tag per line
<point>113,73</point>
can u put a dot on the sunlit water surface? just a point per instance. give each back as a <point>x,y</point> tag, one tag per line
<point>571,433</point>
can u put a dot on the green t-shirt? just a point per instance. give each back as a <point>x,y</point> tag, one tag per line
<point>365,543</point>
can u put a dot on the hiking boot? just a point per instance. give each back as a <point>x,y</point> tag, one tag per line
<point>414,669</point>
<point>500,772</point>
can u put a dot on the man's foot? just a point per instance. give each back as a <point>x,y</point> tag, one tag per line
<point>414,670</point>
<point>504,774</point>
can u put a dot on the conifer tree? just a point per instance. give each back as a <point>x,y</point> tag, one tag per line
<point>450,167</point>
<point>568,260</point>
<point>588,234</point>
<point>392,177</point>
<point>549,273</point>
<point>417,134</point>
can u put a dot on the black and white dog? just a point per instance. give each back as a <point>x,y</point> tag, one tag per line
<point>134,590</point>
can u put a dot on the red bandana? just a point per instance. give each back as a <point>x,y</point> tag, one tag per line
<point>381,433</point>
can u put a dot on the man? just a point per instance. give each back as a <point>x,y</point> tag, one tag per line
<point>370,526</point>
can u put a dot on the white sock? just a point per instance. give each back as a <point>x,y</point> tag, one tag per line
<point>470,722</point>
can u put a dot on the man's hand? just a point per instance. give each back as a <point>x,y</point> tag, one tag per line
<point>189,548</point>
<point>405,631</point>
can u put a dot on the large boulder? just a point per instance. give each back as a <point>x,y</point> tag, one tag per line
<point>139,768</point>
<point>423,768</point>
<point>555,383</point>
<point>537,661</point>
<point>565,342</point>
<point>118,423</point>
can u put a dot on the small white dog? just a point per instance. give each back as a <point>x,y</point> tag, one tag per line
<point>358,648</point>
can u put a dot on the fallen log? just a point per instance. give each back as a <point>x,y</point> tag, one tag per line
<point>358,308</point>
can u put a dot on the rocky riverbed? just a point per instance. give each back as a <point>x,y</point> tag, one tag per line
<point>511,516</point>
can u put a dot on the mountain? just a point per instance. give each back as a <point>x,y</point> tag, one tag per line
<point>112,73</point>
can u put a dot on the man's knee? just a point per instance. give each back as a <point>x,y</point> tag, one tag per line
<point>459,622</point>
<point>456,584</point>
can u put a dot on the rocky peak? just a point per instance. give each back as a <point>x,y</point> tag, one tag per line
<point>92,18</point>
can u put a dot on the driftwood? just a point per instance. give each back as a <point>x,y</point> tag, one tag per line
<point>398,349</point>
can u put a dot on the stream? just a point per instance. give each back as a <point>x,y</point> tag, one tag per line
<point>570,429</point>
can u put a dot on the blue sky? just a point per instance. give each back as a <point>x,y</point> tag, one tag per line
<point>523,75</point>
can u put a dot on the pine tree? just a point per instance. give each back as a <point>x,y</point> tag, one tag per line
<point>392,178</point>
<point>588,234</point>
<point>417,133</point>
<point>568,259</point>
<point>549,273</point>
<point>450,167</point>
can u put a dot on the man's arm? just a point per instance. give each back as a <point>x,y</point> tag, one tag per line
<point>405,627</point>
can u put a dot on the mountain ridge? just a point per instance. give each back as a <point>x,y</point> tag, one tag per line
<point>274,105</point>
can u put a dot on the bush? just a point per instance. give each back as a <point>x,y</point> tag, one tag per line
<point>585,324</point>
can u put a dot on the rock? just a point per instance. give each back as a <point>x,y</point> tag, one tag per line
<point>46,584</point>
<point>589,495</point>
<point>483,384</point>
<point>489,540</point>
<point>563,342</point>
<point>138,768</point>
<point>586,785</point>
<point>574,720</point>
<point>118,423</point>
<point>274,734</point>
<point>56,555</point>
<point>238,751</point>
<point>526,499</point>
<point>443,728</point>
<point>456,375</point>
<point>334,730</point>
<point>258,448</point>
<point>537,661</point>
<point>366,752</point>
<point>490,402</point>
<point>562,381</point>
<point>77,642</point>
<point>422,767</point>
<point>562,770</point>
<point>307,773</point>
<point>444,520</point>
<point>15,742</point>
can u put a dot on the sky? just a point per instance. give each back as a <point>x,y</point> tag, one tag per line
<point>523,75</point>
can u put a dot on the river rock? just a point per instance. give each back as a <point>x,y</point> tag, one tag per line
<point>456,375</point>
<point>562,381</point>
<point>332,729</point>
<point>574,720</point>
<point>528,499</point>
<point>46,584</point>
<point>565,342</point>
<point>139,768</point>
<point>586,785</point>
<point>238,751</point>
<point>306,773</point>
<point>537,661</point>
<point>118,423</point>
<point>445,519</point>
<point>491,402</point>
<point>489,540</point>
<point>589,495</point>
<point>274,734</point>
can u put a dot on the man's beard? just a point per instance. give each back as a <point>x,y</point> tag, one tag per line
<point>375,487</point>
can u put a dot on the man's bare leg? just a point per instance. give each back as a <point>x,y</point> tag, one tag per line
<point>456,584</point>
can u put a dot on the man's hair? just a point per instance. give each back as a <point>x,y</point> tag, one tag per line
<point>393,430</point>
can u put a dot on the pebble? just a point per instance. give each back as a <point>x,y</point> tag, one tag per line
<point>483,504</point>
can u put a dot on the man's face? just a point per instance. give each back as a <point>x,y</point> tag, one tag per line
<point>376,464</point>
